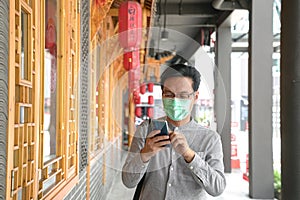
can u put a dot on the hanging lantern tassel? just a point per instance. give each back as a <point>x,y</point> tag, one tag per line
<point>134,80</point>
<point>136,94</point>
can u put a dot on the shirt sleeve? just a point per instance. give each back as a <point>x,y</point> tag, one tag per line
<point>208,169</point>
<point>134,168</point>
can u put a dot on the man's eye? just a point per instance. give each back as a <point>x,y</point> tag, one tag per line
<point>183,96</point>
<point>169,95</point>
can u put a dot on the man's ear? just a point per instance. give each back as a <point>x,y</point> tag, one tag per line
<point>196,96</point>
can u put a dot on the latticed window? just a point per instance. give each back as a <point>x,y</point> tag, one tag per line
<point>43,144</point>
<point>106,89</point>
<point>58,132</point>
<point>23,140</point>
<point>96,134</point>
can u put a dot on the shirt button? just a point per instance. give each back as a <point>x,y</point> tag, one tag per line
<point>172,168</point>
<point>191,167</point>
<point>170,184</point>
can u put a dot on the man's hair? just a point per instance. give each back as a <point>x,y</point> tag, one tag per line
<point>181,70</point>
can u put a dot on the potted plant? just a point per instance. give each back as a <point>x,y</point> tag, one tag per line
<point>277,184</point>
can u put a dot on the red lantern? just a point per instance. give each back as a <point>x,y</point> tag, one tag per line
<point>143,88</point>
<point>130,25</point>
<point>137,99</point>
<point>150,87</point>
<point>134,80</point>
<point>50,39</point>
<point>150,99</point>
<point>150,112</point>
<point>138,111</point>
<point>136,96</point>
<point>131,60</point>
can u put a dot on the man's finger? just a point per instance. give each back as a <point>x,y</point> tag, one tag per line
<point>153,133</point>
<point>163,143</point>
<point>172,139</point>
<point>172,135</point>
<point>174,144</point>
<point>159,138</point>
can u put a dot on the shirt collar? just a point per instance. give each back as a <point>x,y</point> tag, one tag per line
<point>187,125</point>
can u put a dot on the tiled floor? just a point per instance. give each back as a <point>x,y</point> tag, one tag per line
<point>119,191</point>
<point>236,189</point>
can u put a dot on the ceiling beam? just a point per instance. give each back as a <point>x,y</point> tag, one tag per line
<point>224,19</point>
<point>191,25</point>
<point>245,49</point>
<point>192,9</point>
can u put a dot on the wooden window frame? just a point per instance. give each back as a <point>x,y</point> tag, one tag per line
<point>55,163</point>
<point>25,117</point>
<point>67,100</point>
<point>96,138</point>
<point>23,105</point>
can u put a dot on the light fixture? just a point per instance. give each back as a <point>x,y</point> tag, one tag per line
<point>165,33</point>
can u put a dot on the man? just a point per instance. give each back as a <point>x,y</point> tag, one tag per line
<point>187,163</point>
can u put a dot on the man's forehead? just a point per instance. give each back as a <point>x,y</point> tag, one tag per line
<point>178,83</point>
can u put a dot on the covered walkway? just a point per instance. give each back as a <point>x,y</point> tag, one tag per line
<point>73,90</point>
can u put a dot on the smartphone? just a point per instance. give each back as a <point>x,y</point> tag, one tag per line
<point>161,125</point>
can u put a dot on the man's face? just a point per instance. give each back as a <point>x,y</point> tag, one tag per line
<point>180,86</point>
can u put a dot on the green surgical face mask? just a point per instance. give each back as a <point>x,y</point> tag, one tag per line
<point>177,109</point>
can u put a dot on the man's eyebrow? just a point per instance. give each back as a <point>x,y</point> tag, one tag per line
<point>182,92</point>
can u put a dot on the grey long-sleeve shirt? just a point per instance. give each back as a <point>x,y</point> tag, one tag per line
<point>168,176</point>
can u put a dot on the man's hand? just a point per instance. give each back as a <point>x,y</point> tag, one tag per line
<point>181,146</point>
<point>153,145</point>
